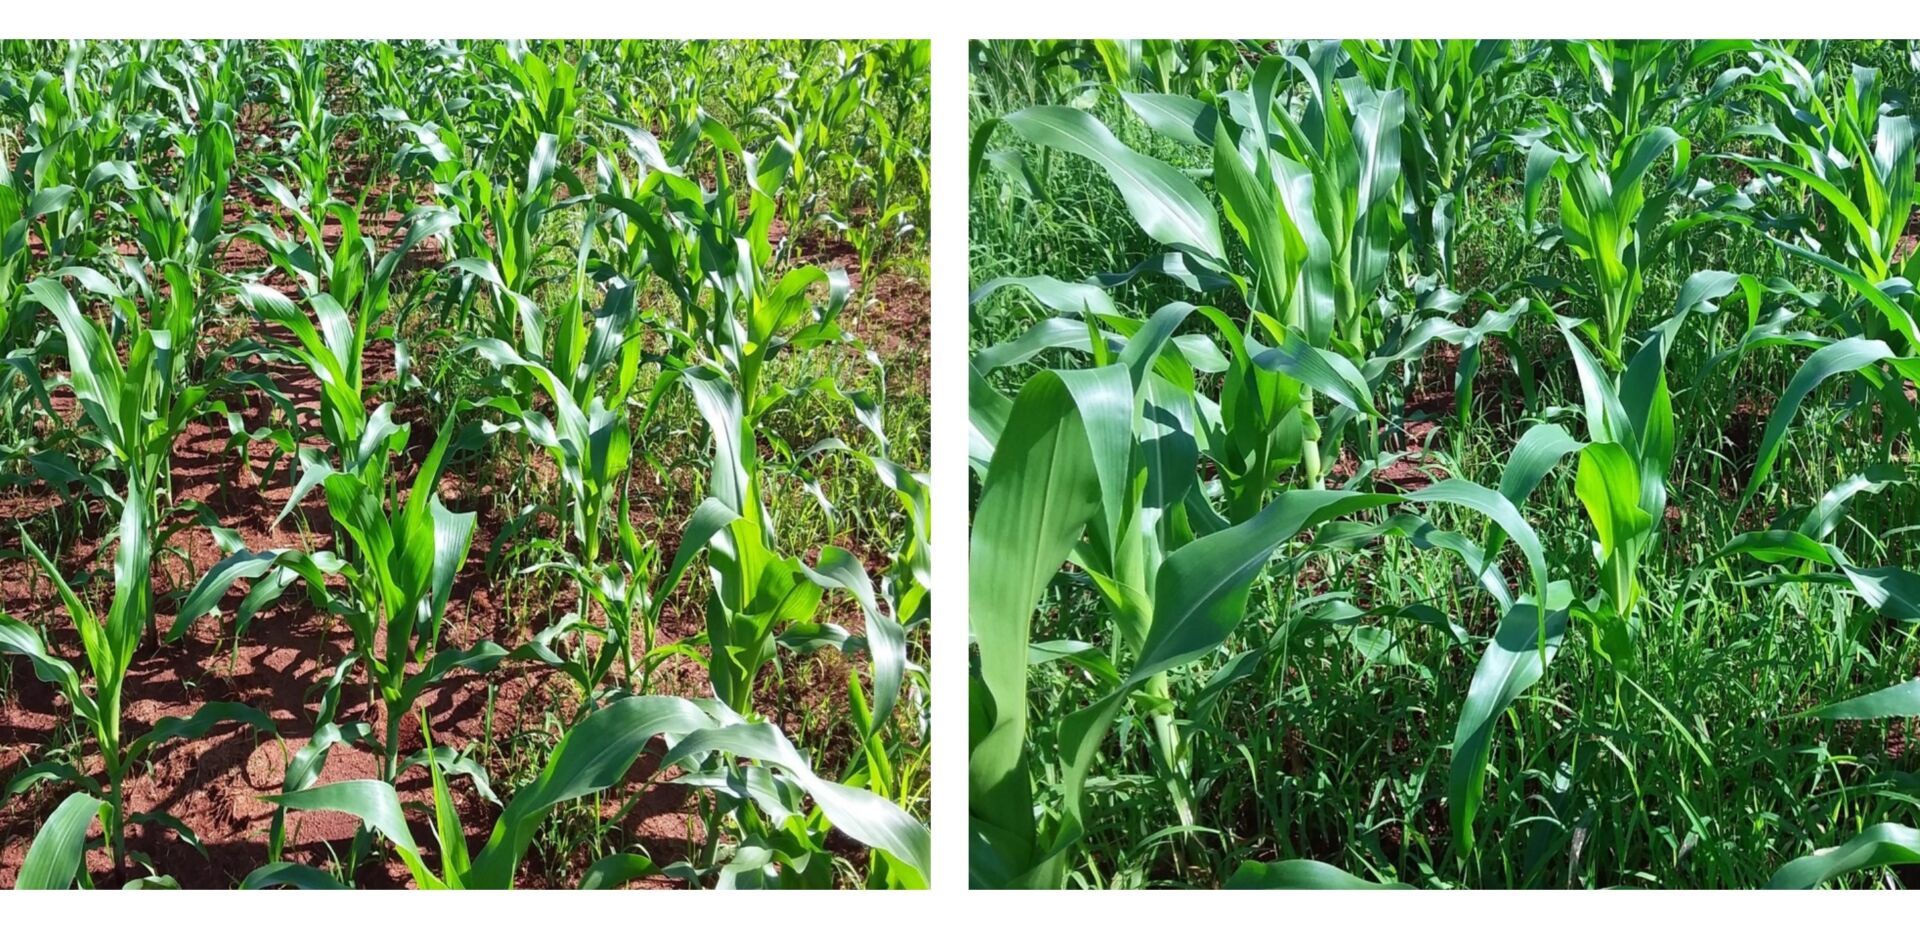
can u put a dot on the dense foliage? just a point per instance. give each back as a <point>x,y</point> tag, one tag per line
<point>1470,463</point>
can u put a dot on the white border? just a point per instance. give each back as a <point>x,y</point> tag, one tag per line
<point>957,22</point>
<point>948,376</point>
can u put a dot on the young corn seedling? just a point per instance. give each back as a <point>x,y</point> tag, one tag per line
<point>395,581</point>
<point>1628,81</point>
<point>1633,85</point>
<point>1250,432</point>
<point>905,589</point>
<point>1621,482</point>
<point>716,258</point>
<point>497,239</point>
<point>876,187</point>
<point>213,76</point>
<point>300,75</point>
<point>881,178</point>
<point>810,116</point>
<point>1855,357</point>
<point>66,154</point>
<point>19,208</point>
<point>345,315</point>
<point>353,273</point>
<point>181,226</point>
<point>1852,154</point>
<point>756,589</point>
<point>136,408</point>
<point>1348,141</point>
<point>110,643</point>
<point>596,356</point>
<point>1312,200</point>
<point>1612,216</point>
<point>1622,476</point>
<point>1452,92</point>
<point>541,102</point>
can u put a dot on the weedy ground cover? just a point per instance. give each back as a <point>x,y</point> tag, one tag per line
<point>406,439</point>
<point>1443,464</point>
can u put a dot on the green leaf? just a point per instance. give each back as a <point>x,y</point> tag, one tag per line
<point>593,756</point>
<point>1893,702</point>
<point>1274,244</point>
<point>1199,598</point>
<point>1183,119</point>
<point>1513,662</point>
<point>860,813</point>
<point>709,519</point>
<point>1843,356</point>
<point>1825,516</point>
<point>1505,515</point>
<point>358,511</point>
<point>1776,547</point>
<point>1877,846</point>
<point>203,720</point>
<point>1894,591</point>
<point>886,640</point>
<point>1166,204</point>
<point>54,858</point>
<point>1301,874</point>
<point>1039,494</point>
<point>290,875</point>
<point>1075,298</point>
<point>1608,485</point>
<point>17,637</point>
<point>1329,373</point>
<point>616,870</point>
<point>376,804</point>
<point>1839,200</point>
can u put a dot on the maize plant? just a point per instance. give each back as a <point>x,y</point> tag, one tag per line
<point>301,80</point>
<point>1044,488</point>
<point>513,214</point>
<point>1311,199</point>
<point>591,447</point>
<point>541,102</point>
<point>808,115</point>
<point>1453,92</point>
<point>1608,218</point>
<point>135,409</point>
<point>180,227</point>
<point>347,313</point>
<point>737,321</point>
<point>397,579</point>
<point>1852,158</point>
<point>110,645</point>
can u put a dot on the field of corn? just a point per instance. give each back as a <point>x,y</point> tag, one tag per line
<point>1444,464</point>
<point>464,464</point>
